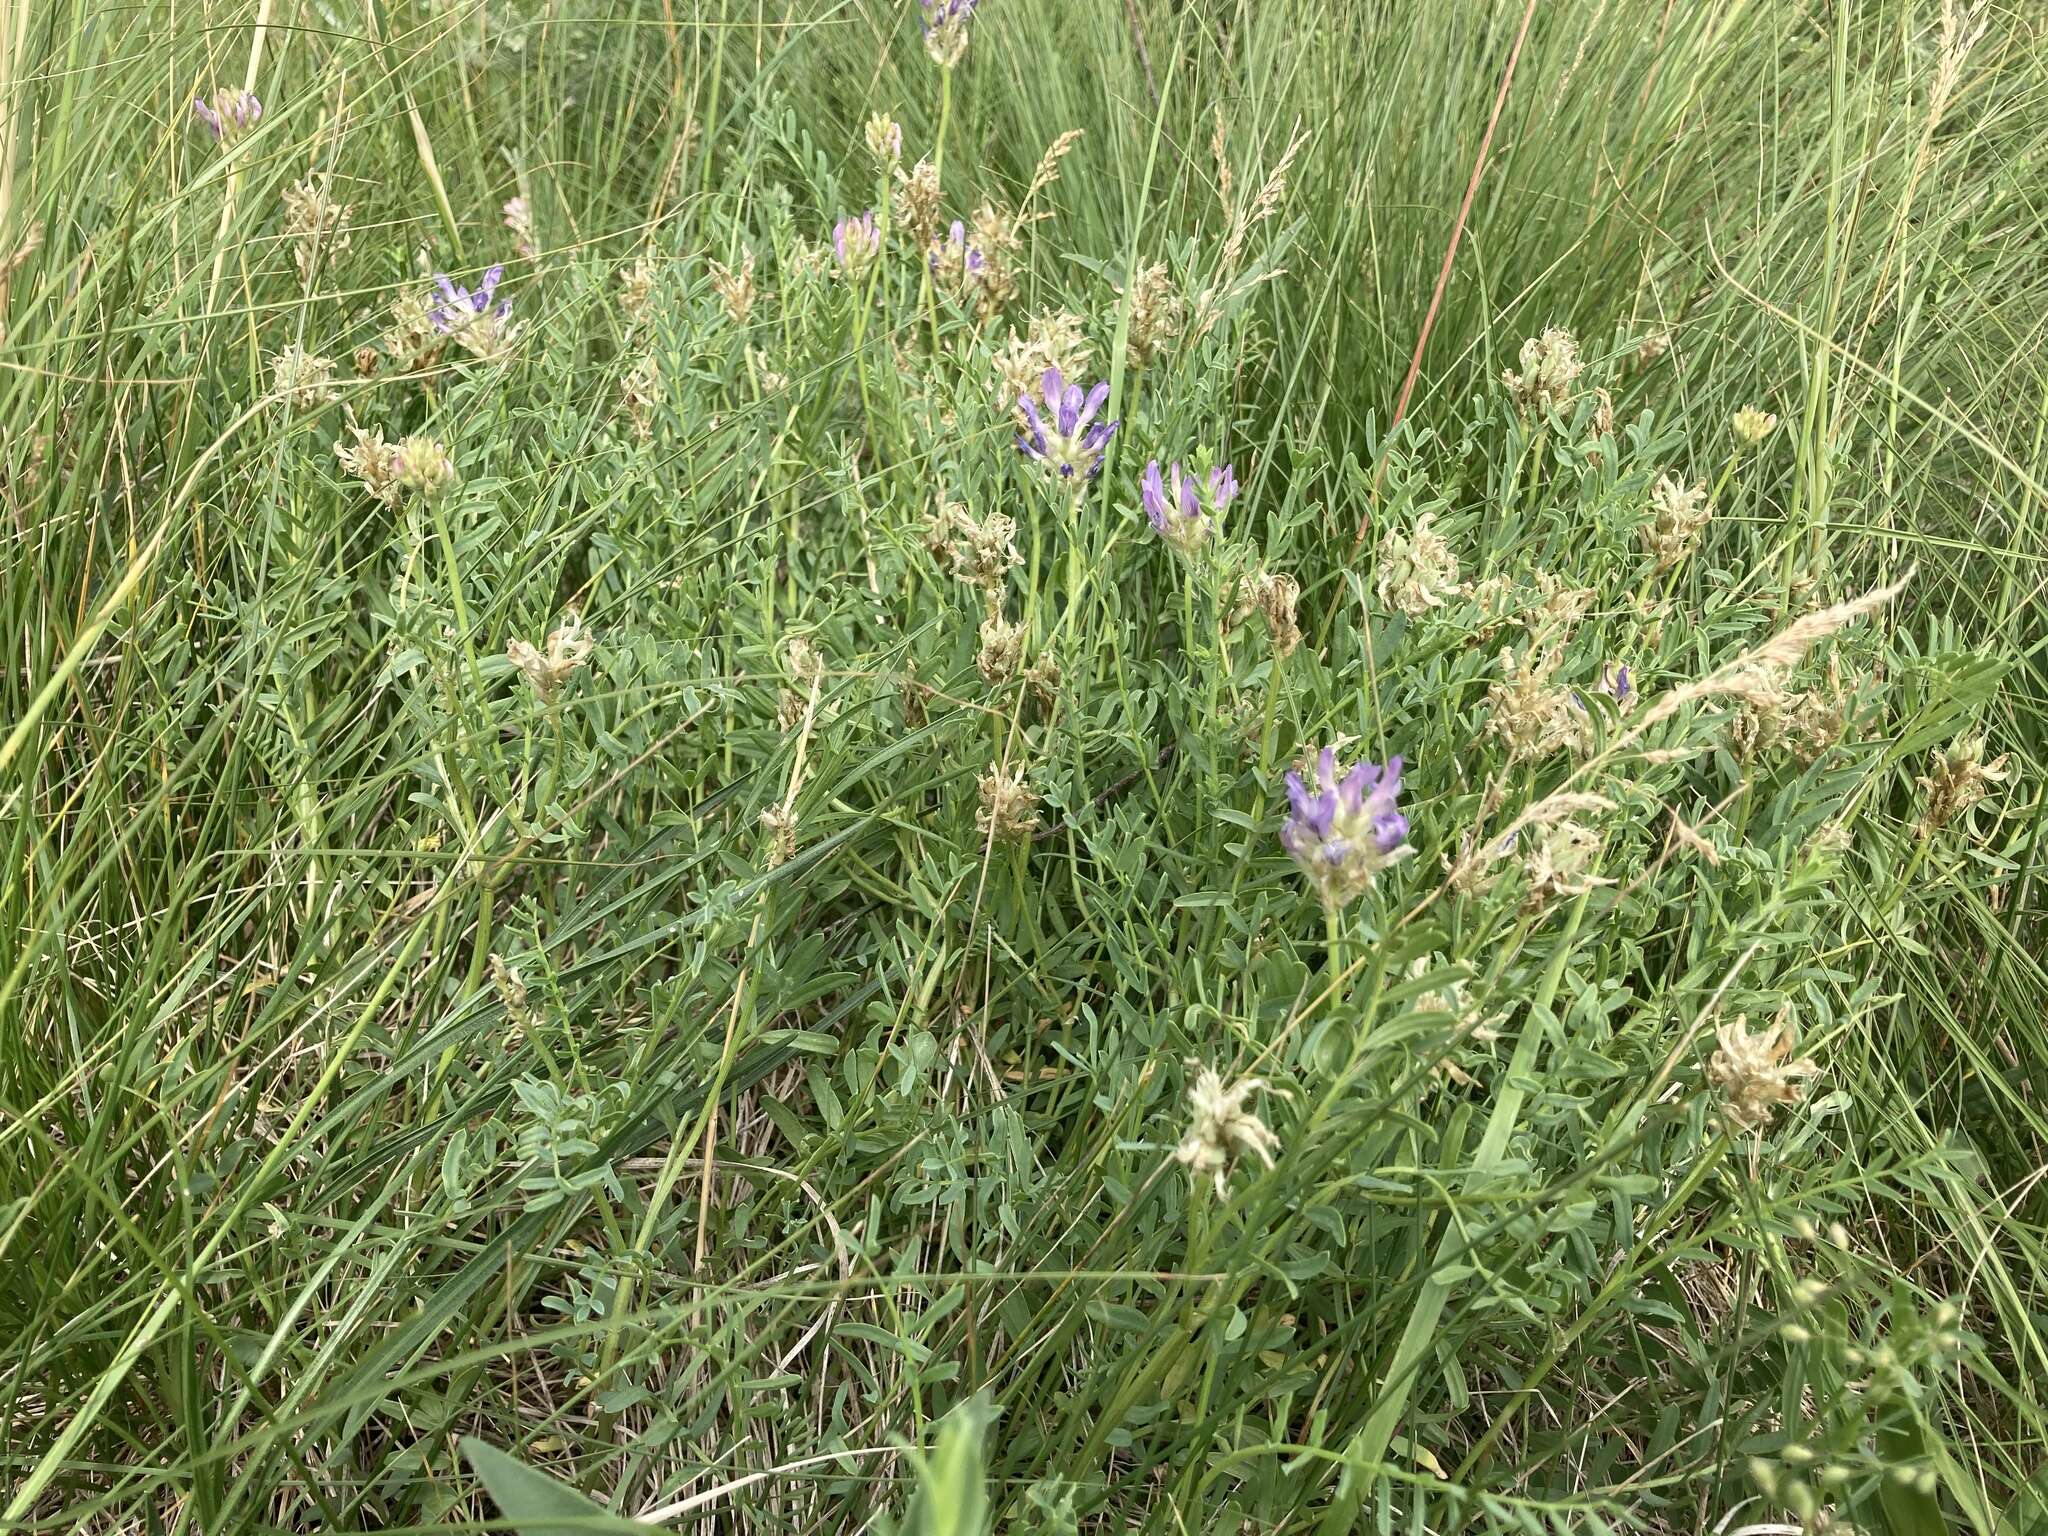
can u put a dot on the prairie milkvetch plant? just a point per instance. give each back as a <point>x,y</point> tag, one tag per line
<point>945,25</point>
<point>1222,1129</point>
<point>300,380</point>
<point>1052,341</point>
<point>956,264</point>
<point>1184,509</point>
<point>230,113</point>
<point>417,463</point>
<point>1009,807</point>
<point>1418,571</point>
<point>1346,829</point>
<point>1677,514</point>
<point>735,287</point>
<point>480,322</point>
<point>315,222</point>
<point>1065,439</point>
<point>1958,779</point>
<point>884,137</point>
<point>1158,315</point>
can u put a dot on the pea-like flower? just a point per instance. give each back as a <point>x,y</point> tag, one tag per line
<point>231,113</point>
<point>1065,437</point>
<point>856,243</point>
<point>956,261</point>
<point>1617,683</point>
<point>1347,829</point>
<point>1183,510</point>
<point>459,307</point>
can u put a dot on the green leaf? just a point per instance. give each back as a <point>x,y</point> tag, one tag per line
<point>535,1503</point>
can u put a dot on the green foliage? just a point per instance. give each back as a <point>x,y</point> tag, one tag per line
<point>539,960</point>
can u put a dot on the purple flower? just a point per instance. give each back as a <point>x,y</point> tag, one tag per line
<point>1065,436</point>
<point>856,243</point>
<point>231,114</point>
<point>1177,507</point>
<point>1614,682</point>
<point>1348,828</point>
<point>937,13</point>
<point>459,306</point>
<point>945,29</point>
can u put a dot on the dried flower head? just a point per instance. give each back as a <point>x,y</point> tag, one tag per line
<point>919,202</point>
<point>1183,509</point>
<point>945,25</point>
<point>301,381</point>
<point>1550,373</point>
<point>1275,594</point>
<point>779,823</point>
<point>1052,341</point>
<point>1221,1129</point>
<point>1158,315</point>
<point>315,223</point>
<point>1066,439</point>
<point>480,322</point>
<point>1559,858</point>
<point>979,553</point>
<point>771,382</point>
<point>231,113</point>
<point>1652,348</point>
<point>1348,828</point>
<point>1009,809</point>
<point>1417,571</point>
<point>1530,713</point>
<point>1002,648</point>
<point>636,289</point>
<point>856,244</point>
<point>1956,780</point>
<point>640,394</point>
<point>1751,426</point>
<point>735,288</point>
<point>368,361</point>
<point>1042,677</point>
<point>519,220</point>
<point>1773,716</point>
<point>568,648</point>
<point>1753,1073</point>
<point>885,140</point>
<point>511,990</point>
<point>1677,514</point>
<point>413,342</point>
<point>369,458</point>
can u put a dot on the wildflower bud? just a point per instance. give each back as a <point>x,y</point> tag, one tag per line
<point>885,140</point>
<point>1186,514</point>
<point>1550,372</point>
<point>856,243</point>
<point>1009,809</point>
<point>230,114</point>
<point>424,466</point>
<point>1751,426</point>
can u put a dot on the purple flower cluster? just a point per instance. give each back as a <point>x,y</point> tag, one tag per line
<point>1065,437</point>
<point>1184,510</point>
<point>460,307</point>
<point>942,13</point>
<point>856,242</point>
<point>231,114</point>
<point>1348,828</point>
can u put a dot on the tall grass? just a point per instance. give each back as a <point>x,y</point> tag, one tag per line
<point>392,1052</point>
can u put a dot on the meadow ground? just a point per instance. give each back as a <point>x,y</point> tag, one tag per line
<point>655,653</point>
